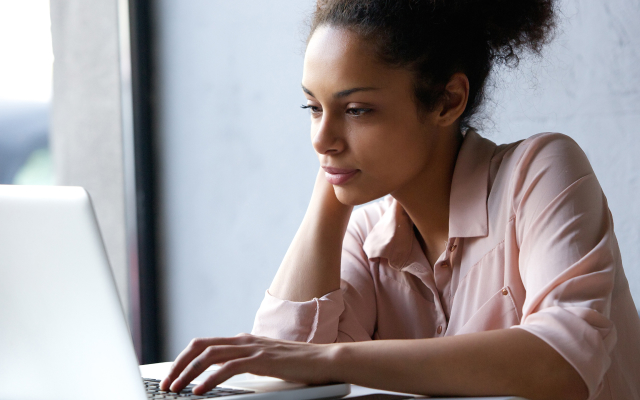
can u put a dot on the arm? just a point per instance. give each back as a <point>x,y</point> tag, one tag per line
<point>344,315</point>
<point>311,266</point>
<point>502,362</point>
<point>323,291</point>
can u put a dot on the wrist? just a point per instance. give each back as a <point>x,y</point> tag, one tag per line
<point>324,198</point>
<point>335,361</point>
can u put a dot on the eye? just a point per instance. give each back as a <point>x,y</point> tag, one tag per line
<point>357,112</point>
<point>311,108</point>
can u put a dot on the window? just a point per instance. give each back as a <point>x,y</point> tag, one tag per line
<point>25,92</point>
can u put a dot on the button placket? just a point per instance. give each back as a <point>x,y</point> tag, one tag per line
<point>441,325</point>
<point>454,259</point>
<point>452,246</point>
<point>443,275</point>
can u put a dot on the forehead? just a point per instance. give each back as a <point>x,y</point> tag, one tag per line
<point>337,59</point>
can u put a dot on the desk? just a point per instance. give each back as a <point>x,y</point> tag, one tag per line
<point>361,391</point>
<point>160,370</point>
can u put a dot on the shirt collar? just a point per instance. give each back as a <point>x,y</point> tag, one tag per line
<point>468,214</point>
<point>393,238</point>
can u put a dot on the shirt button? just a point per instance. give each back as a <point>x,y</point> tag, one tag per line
<point>453,248</point>
<point>505,292</point>
<point>444,265</point>
<point>439,330</point>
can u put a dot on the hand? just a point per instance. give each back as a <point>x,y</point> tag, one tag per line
<point>291,361</point>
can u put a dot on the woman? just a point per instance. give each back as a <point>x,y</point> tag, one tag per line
<point>499,262</point>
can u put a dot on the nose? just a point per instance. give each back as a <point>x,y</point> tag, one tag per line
<point>328,138</point>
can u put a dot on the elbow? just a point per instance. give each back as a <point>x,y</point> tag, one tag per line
<point>550,376</point>
<point>555,389</point>
<point>563,383</point>
<point>568,383</point>
<point>553,377</point>
<point>574,389</point>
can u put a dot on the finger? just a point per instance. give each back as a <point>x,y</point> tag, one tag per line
<point>212,355</point>
<point>228,370</point>
<point>195,347</point>
<point>245,338</point>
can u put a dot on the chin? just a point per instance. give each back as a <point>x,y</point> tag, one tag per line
<point>352,197</point>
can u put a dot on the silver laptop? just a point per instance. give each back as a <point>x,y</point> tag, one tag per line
<point>63,334</point>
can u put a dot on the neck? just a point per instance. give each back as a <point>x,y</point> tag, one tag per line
<point>426,199</point>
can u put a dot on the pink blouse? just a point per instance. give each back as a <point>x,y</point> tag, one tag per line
<point>531,247</point>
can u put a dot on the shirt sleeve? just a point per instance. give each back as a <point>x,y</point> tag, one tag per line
<point>568,255</point>
<point>344,315</point>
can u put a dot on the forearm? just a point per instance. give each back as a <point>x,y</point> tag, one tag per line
<point>311,266</point>
<point>502,362</point>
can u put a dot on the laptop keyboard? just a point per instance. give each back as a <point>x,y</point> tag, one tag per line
<point>153,391</point>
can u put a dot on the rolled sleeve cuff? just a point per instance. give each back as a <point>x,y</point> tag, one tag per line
<point>585,345</point>
<point>313,321</point>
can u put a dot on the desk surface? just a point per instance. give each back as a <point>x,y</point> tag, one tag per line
<point>357,391</point>
<point>160,370</point>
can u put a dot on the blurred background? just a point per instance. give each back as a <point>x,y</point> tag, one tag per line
<point>25,92</point>
<point>182,120</point>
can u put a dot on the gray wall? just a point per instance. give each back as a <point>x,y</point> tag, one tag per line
<point>86,135</point>
<point>237,167</point>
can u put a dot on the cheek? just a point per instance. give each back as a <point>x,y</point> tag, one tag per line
<point>395,157</point>
<point>387,161</point>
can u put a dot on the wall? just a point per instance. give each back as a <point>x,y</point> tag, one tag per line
<point>86,133</point>
<point>237,167</point>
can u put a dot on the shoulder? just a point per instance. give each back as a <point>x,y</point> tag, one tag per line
<point>540,168</point>
<point>545,149</point>
<point>552,158</point>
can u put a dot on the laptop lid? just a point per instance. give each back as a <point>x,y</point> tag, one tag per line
<point>62,331</point>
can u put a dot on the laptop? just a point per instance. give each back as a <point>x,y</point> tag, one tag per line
<point>63,334</point>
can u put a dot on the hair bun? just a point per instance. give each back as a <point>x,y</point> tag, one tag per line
<point>511,26</point>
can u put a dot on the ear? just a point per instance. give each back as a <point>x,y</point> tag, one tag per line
<point>455,99</point>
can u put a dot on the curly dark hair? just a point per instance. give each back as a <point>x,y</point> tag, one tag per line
<point>438,38</point>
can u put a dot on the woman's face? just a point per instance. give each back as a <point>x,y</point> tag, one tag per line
<point>365,125</point>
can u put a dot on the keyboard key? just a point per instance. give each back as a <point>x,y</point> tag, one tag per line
<point>152,387</point>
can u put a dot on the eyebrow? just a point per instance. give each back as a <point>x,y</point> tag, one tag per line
<point>342,93</point>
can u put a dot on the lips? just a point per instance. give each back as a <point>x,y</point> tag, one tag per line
<point>339,176</point>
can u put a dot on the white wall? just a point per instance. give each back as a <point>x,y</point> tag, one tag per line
<point>237,166</point>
